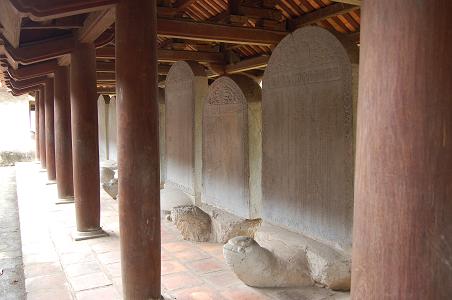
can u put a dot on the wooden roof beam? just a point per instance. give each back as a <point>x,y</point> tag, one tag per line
<point>258,62</point>
<point>321,14</point>
<point>109,67</point>
<point>11,21</point>
<point>34,70</point>
<point>41,10</point>
<point>164,55</point>
<point>183,4</point>
<point>353,2</point>
<point>218,32</point>
<point>96,24</point>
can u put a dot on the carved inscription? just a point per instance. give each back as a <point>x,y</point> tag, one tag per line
<point>179,127</point>
<point>307,179</point>
<point>225,148</point>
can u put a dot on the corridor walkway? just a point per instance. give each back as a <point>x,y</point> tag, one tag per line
<point>58,268</point>
<point>11,270</point>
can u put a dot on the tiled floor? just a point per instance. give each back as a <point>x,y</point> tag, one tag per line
<point>56,267</point>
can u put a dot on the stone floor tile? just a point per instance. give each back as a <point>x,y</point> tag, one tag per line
<point>46,282</point>
<point>198,293</point>
<point>83,268</point>
<point>180,280</point>
<point>222,279</point>
<point>90,281</point>
<point>59,293</point>
<point>77,257</point>
<point>165,255</point>
<point>40,258</point>
<point>244,293</point>
<point>114,270</point>
<point>177,246</point>
<point>106,247</point>
<point>107,293</point>
<point>41,269</point>
<point>206,266</point>
<point>172,266</point>
<point>109,257</point>
<point>191,255</point>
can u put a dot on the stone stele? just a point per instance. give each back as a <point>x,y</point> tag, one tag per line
<point>186,87</point>
<point>232,146</point>
<point>308,137</point>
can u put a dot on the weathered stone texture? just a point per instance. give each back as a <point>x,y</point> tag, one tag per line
<point>109,178</point>
<point>232,146</point>
<point>112,130</point>
<point>327,266</point>
<point>162,135</point>
<point>186,87</point>
<point>256,266</point>
<point>308,153</point>
<point>192,223</point>
<point>102,111</point>
<point>226,226</point>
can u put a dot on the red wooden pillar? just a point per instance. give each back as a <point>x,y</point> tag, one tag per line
<point>138,148</point>
<point>63,142</point>
<point>42,128</point>
<point>50,131</point>
<point>37,100</point>
<point>85,141</point>
<point>402,239</point>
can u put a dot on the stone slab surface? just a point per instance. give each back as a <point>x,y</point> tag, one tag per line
<point>12,280</point>
<point>184,92</point>
<point>226,145</point>
<point>308,153</point>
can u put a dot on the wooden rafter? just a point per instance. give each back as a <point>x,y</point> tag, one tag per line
<point>322,14</point>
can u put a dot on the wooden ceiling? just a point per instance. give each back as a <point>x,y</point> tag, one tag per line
<point>227,36</point>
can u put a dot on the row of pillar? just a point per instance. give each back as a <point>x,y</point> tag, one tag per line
<point>402,225</point>
<point>67,144</point>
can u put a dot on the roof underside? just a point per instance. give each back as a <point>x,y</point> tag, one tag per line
<point>227,36</point>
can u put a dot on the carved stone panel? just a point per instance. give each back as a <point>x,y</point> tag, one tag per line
<point>112,130</point>
<point>186,86</point>
<point>308,152</point>
<point>102,112</point>
<point>161,95</point>
<point>231,146</point>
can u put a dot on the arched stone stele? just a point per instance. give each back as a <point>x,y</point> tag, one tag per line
<point>186,87</point>
<point>308,153</point>
<point>232,146</point>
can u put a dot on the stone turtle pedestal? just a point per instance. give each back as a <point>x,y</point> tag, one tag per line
<point>109,178</point>
<point>256,266</point>
<point>192,223</point>
<point>327,266</point>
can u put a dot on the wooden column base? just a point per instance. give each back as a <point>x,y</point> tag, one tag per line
<point>67,200</point>
<point>88,235</point>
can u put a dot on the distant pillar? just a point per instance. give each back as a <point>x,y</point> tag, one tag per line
<point>63,142</point>
<point>50,131</point>
<point>85,144</point>
<point>138,145</point>
<point>37,126</point>
<point>42,128</point>
<point>402,231</point>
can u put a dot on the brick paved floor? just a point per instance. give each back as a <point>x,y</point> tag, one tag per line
<point>56,267</point>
